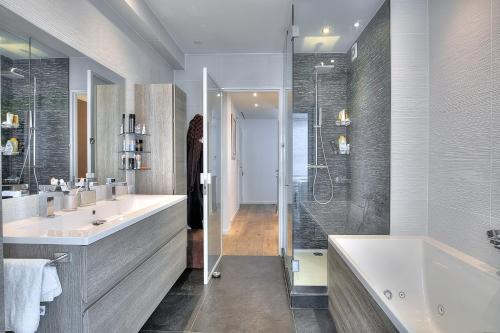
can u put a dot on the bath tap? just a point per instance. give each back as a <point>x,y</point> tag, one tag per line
<point>494,237</point>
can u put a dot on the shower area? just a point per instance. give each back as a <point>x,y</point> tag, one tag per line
<point>338,147</point>
<point>34,99</point>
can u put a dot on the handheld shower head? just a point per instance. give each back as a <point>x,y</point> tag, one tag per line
<point>13,73</point>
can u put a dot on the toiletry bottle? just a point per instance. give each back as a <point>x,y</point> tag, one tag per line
<point>122,128</point>
<point>138,161</point>
<point>143,128</point>
<point>124,161</point>
<point>131,123</point>
<point>141,145</point>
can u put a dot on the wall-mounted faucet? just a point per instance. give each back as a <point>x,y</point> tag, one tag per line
<point>494,237</point>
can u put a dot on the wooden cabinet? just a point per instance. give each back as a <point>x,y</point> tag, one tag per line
<point>162,107</point>
<point>114,284</point>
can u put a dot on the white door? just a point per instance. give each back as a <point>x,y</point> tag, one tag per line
<point>211,176</point>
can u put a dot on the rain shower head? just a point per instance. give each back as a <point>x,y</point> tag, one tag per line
<point>13,73</point>
<point>323,69</point>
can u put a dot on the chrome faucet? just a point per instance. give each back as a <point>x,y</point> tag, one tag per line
<point>46,205</point>
<point>494,237</point>
<point>111,189</point>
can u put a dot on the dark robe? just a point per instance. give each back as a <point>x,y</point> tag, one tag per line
<point>194,169</point>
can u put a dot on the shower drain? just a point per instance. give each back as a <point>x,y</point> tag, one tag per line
<point>318,254</point>
<point>440,309</point>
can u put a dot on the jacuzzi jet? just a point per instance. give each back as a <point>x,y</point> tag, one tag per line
<point>388,294</point>
<point>402,294</point>
<point>318,254</point>
<point>440,309</point>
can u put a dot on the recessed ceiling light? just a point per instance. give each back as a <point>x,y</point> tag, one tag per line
<point>256,105</point>
<point>332,61</point>
<point>218,95</point>
<point>325,30</point>
<point>254,94</point>
<point>356,24</point>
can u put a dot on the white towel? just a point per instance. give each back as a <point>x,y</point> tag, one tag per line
<point>27,283</point>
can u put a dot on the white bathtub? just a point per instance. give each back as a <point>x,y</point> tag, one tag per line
<point>444,289</point>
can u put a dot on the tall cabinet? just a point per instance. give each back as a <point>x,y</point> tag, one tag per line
<point>162,107</point>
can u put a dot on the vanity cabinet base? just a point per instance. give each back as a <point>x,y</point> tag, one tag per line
<point>127,306</point>
<point>114,284</point>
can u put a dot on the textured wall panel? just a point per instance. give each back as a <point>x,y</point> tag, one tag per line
<point>464,135</point>
<point>409,115</point>
<point>362,88</point>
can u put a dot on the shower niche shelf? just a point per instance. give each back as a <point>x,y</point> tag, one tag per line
<point>336,149</point>
<point>343,123</point>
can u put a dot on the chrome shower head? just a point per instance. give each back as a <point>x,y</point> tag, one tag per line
<point>323,69</point>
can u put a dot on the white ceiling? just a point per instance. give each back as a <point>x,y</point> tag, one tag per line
<point>225,26</point>
<point>268,104</point>
<point>340,15</point>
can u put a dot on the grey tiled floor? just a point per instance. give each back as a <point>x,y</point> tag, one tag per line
<point>250,296</point>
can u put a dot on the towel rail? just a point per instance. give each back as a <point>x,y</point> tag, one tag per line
<point>59,257</point>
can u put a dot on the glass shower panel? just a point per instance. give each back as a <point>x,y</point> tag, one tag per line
<point>288,169</point>
<point>340,137</point>
<point>212,218</point>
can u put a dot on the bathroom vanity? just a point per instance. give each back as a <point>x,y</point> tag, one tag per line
<point>118,271</point>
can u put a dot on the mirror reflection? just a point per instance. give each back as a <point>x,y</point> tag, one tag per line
<point>58,117</point>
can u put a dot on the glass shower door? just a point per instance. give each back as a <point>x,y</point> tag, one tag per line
<point>211,176</point>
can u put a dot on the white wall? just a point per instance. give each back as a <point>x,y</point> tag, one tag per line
<point>102,36</point>
<point>231,71</point>
<point>409,117</point>
<point>230,168</point>
<point>260,161</point>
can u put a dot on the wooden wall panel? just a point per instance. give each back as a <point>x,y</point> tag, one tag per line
<point>110,107</point>
<point>180,147</point>
<point>163,108</point>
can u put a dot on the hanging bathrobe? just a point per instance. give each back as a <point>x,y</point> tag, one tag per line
<point>194,169</point>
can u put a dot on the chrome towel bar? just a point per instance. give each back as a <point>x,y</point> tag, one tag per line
<point>59,257</point>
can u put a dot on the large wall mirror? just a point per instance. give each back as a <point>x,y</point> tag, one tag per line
<point>60,113</point>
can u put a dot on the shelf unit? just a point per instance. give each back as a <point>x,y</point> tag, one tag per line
<point>131,153</point>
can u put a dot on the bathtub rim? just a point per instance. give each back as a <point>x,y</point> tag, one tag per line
<point>343,253</point>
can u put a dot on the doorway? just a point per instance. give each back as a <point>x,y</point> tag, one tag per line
<point>251,226</point>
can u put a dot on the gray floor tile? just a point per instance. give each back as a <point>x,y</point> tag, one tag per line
<point>313,321</point>
<point>175,313</point>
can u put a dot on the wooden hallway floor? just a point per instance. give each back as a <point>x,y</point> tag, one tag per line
<point>254,232</point>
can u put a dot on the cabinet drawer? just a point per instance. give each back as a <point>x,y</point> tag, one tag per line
<point>112,258</point>
<point>130,303</point>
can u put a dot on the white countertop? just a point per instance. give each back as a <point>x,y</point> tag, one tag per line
<point>76,228</point>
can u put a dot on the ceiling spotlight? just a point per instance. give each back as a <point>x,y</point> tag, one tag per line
<point>325,30</point>
<point>256,105</point>
<point>332,61</point>
<point>356,24</point>
<point>254,94</point>
<point>218,95</point>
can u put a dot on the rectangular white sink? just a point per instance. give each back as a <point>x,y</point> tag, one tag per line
<point>77,228</point>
